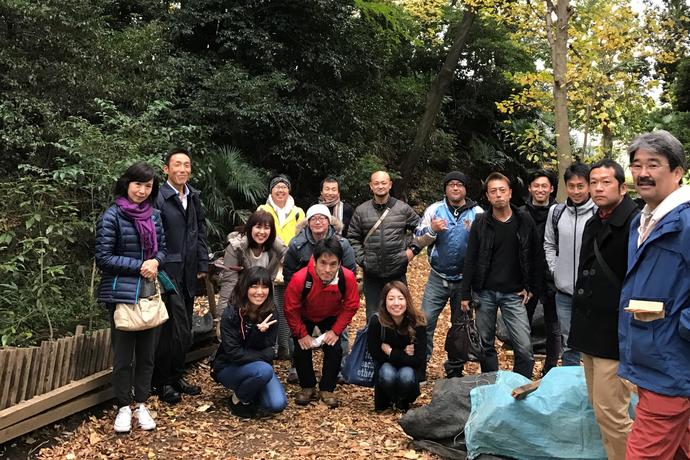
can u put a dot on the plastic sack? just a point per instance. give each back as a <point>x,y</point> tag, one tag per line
<point>360,366</point>
<point>555,421</point>
<point>463,342</point>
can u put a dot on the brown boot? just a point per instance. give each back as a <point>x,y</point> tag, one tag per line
<point>305,395</point>
<point>329,399</point>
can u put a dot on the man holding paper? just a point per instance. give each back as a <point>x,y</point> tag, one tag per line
<point>323,294</point>
<point>654,319</point>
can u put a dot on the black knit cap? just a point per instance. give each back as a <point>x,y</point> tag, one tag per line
<point>278,179</point>
<point>455,175</point>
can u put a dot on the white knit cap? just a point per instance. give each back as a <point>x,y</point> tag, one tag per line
<point>318,209</point>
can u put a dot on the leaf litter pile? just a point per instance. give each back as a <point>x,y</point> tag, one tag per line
<point>202,427</point>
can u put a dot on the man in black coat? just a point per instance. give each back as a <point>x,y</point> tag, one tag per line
<point>594,324</point>
<point>538,205</point>
<point>503,270</point>
<point>185,232</point>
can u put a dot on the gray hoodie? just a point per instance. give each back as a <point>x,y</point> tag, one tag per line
<point>563,256</point>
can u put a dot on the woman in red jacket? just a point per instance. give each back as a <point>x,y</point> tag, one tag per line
<point>397,342</point>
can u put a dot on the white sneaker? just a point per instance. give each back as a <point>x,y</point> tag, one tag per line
<point>123,421</point>
<point>146,422</point>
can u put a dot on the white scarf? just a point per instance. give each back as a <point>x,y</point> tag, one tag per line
<point>283,212</point>
<point>650,217</point>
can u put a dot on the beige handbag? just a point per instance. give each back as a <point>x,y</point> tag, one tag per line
<point>147,313</point>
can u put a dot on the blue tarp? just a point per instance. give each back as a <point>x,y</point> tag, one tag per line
<point>555,421</point>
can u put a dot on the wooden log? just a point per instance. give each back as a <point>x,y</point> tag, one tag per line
<point>33,369</point>
<point>50,369</point>
<point>43,369</point>
<point>38,404</point>
<point>86,356</point>
<point>76,356</point>
<point>26,374</point>
<point>78,404</point>
<point>96,337</point>
<point>57,363</point>
<point>522,391</point>
<point>103,353</point>
<point>4,354</point>
<point>15,386</point>
<point>7,376</point>
<point>67,362</point>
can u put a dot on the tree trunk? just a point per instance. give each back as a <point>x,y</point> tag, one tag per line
<point>607,141</point>
<point>433,101</point>
<point>558,40</point>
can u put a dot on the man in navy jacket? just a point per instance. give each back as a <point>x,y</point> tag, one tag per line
<point>185,232</point>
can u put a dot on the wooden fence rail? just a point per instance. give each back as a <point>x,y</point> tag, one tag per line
<point>40,385</point>
<point>29,372</point>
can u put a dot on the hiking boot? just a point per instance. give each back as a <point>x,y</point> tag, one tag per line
<point>123,420</point>
<point>242,410</point>
<point>305,395</point>
<point>143,415</point>
<point>187,388</point>
<point>168,394</point>
<point>329,399</point>
<point>292,376</point>
<point>403,405</point>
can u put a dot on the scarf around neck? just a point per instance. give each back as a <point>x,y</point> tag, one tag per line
<point>335,206</point>
<point>140,214</point>
<point>283,212</point>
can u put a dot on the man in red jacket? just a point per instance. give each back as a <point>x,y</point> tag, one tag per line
<point>323,294</point>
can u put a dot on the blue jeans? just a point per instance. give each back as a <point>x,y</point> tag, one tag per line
<point>254,382</point>
<point>564,310</point>
<point>436,294</point>
<point>515,318</point>
<point>397,383</point>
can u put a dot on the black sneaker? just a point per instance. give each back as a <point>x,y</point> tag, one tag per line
<point>186,388</point>
<point>242,410</point>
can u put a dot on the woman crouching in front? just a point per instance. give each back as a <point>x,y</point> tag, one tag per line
<point>397,342</point>
<point>243,362</point>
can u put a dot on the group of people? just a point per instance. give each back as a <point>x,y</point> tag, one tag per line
<point>613,283</point>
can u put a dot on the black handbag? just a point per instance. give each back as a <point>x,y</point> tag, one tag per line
<point>463,342</point>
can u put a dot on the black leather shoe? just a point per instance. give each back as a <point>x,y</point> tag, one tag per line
<point>168,394</point>
<point>186,388</point>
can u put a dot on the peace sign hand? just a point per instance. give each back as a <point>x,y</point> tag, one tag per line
<point>265,324</point>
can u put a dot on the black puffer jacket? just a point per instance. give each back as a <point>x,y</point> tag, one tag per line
<point>594,323</point>
<point>383,255</point>
<point>540,215</point>
<point>242,342</point>
<point>480,247</point>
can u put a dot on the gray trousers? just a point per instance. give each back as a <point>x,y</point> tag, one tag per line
<point>134,354</point>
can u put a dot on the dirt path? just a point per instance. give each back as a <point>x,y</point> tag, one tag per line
<point>202,427</point>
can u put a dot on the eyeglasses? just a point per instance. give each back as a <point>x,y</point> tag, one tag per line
<point>318,218</point>
<point>455,184</point>
<point>651,167</point>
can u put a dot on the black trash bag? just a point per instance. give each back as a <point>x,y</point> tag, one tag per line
<point>463,342</point>
<point>439,426</point>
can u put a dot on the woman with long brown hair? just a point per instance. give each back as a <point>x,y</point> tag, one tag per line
<point>243,362</point>
<point>397,342</point>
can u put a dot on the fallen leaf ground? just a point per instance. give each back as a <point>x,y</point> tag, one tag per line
<point>202,427</point>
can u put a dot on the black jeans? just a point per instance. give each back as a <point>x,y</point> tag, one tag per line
<point>331,359</point>
<point>175,339</point>
<point>128,348</point>
<point>551,326</point>
<point>373,285</point>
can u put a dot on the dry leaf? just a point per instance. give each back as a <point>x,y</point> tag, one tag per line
<point>203,407</point>
<point>94,438</point>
